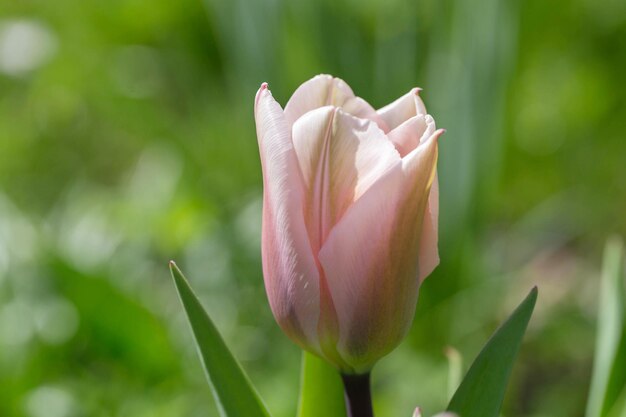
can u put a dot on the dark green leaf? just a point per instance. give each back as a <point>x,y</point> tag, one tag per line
<point>482,390</point>
<point>233,392</point>
<point>321,389</point>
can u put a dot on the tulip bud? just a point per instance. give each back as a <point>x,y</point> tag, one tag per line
<point>350,210</point>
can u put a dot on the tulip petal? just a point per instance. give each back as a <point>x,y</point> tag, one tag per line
<point>289,267</point>
<point>402,109</point>
<point>428,251</point>
<point>325,90</point>
<point>340,157</point>
<point>429,248</point>
<point>409,134</point>
<point>369,258</point>
<point>360,108</point>
<point>406,138</point>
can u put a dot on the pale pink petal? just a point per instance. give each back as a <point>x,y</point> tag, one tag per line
<point>428,252</point>
<point>321,90</point>
<point>402,109</point>
<point>325,90</point>
<point>340,157</point>
<point>429,248</point>
<point>408,135</point>
<point>369,259</point>
<point>289,267</point>
<point>360,108</point>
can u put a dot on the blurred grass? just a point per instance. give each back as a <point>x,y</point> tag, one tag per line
<point>127,139</point>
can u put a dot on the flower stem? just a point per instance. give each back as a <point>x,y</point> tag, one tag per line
<point>358,395</point>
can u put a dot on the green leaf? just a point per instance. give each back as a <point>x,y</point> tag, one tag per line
<point>233,392</point>
<point>321,389</point>
<point>482,390</point>
<point>619,408</point>
<point>609,379</point>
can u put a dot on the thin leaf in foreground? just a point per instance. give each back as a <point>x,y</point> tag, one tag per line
<point>482,390</point>
<point>609,368</point>
<point>233,392</point>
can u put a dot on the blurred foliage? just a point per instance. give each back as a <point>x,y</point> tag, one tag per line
<point>127,139</point>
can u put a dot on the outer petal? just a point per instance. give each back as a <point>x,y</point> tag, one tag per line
<point>325,90</point>
<point>369,259</point>
<point>428,251</point>
<point>429,248</point>
<point>409,134</point>
<point>406,138</point>
<point>340,157</point>
<point>289,267</point>
<point>402,109</point>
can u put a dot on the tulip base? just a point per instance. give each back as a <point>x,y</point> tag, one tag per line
<point>358,395</point>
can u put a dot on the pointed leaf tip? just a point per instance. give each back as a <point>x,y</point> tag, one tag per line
<point>230,385</point>
<point>482,390</point>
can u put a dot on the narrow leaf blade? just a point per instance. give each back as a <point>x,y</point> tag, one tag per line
<point>233,392</point>
<point>321,389</point>
<point>482,390</point>
<point>609,379</point>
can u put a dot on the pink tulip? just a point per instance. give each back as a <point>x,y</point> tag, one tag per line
<point>349,217</point>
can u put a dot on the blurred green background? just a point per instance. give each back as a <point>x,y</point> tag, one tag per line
<point>127,139</point>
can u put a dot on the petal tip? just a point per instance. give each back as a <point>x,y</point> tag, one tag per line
<point>322,75</point>
<point>434,138</point>
<point>264,88</point>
